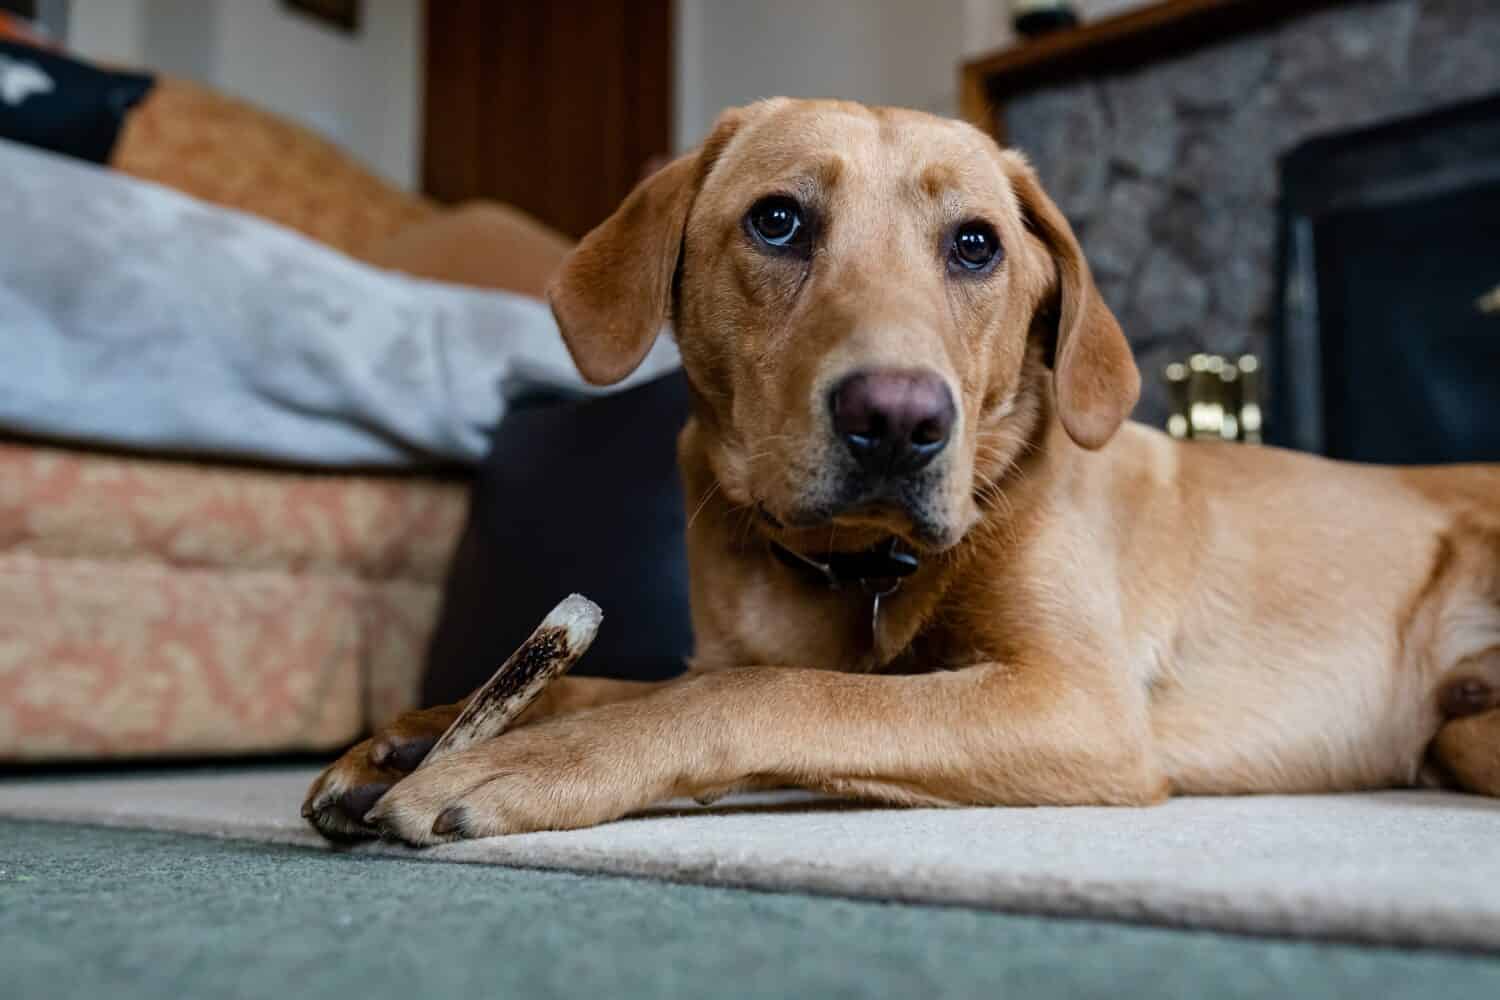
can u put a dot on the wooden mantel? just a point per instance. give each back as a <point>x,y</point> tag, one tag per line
<point>1155,31</point>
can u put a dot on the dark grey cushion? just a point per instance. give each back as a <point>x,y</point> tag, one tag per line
<point>63,105</point>
<point>582,496</point>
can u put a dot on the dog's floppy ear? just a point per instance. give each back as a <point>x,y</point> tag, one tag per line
<point>614,291</point>
<point>1094,376</point>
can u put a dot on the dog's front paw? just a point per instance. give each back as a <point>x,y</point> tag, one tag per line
<point>349,787</point>
<point>553,776</point>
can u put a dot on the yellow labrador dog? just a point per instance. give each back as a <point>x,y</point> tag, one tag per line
<point>946,568</point>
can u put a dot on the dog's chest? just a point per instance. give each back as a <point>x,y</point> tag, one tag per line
<point>792,623</point>
<point>767,615</point>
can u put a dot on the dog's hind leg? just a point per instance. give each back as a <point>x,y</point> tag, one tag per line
<point>1468,751</point>
<point>1467,746</point>
<point>1459,628</point>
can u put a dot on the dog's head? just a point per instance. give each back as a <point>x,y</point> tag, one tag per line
<point>875,308</point>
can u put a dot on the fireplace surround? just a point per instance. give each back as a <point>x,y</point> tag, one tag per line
<point>1167,157</point>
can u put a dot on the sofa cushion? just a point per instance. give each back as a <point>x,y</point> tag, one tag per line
<point>231,153</point>
<point>150,607</point>
<point>136,658</point>
<point>481,244</point>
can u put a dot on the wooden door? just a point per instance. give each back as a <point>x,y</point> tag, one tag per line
<point>554,106</point>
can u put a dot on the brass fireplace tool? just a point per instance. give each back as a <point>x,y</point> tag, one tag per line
<point>1215,398</point>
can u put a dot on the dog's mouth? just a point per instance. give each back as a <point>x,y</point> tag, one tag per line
<point>829,504</point>
<point>858,523</point>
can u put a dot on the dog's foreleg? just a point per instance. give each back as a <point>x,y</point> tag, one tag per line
<point>983,736</point>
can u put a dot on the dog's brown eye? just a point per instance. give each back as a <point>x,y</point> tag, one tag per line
<point>777,220</point>
<point>975,246</point>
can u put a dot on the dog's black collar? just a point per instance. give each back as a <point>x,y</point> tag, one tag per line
<point>877,570</point>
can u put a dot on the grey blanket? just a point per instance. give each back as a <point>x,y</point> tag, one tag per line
<point>132,315</point>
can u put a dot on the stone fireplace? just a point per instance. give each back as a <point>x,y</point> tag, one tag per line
<point>1170,167</point>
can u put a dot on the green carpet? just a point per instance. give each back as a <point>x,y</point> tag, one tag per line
<point>108,913</point>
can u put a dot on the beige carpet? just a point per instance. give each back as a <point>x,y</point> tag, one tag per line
<point>1413,868</point>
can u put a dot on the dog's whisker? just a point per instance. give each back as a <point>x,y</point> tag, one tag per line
<point>707,496</point>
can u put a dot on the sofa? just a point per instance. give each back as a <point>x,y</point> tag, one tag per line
<point>155,606</point>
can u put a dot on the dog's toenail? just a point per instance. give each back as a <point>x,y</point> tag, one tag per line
<point>450,820</point>
<point>380,752</point>
<point>402,756</point>
<point>356,802</point>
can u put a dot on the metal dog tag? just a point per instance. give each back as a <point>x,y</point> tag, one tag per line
<point>876,596</point>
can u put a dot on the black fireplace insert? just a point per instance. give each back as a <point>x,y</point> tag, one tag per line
<point>1386,345</point>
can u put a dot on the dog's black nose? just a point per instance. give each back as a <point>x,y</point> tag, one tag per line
<point>894,421</point>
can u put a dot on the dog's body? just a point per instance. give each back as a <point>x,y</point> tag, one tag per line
<point>894,341</point>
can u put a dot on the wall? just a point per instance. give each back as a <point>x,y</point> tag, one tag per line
<point>108,30</point>
<point>731,53</point>
<point>988,21</point>
<point>903,52</point>
<point>363,91</point>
